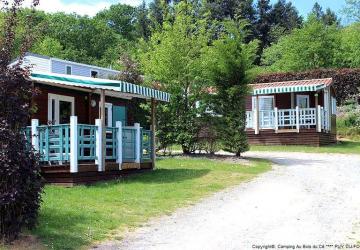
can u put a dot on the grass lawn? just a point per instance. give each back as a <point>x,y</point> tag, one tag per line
<point>343,147</point>
<point>72,218</point>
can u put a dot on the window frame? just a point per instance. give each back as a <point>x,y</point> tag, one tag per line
<point>71,70</point>
<point>303,96</point>
<point>253,101</point>
<point>94,70</point>
<point>56,105</point>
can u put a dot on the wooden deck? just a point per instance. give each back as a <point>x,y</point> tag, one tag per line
<point>88,173</point>
<point>306,137</point>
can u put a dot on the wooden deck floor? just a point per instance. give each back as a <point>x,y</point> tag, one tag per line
<point>88,173</point>
<point>306,137</point>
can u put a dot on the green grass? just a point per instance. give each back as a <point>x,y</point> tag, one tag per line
<point>72,218</point>
<point>349,132</point>
<point>343,147</point>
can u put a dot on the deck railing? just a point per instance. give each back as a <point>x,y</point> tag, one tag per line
<point>55,143</point>
<point>288,119</point>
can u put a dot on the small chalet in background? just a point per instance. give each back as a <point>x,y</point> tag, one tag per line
<point>299,112</point>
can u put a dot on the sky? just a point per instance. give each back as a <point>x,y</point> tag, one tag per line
<point>91,7</point>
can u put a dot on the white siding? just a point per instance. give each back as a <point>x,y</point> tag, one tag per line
<point>38,63</point>
<point>59,67</point>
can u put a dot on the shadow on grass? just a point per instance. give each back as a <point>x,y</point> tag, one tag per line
<point>167,175</point>
<point>56,229</point>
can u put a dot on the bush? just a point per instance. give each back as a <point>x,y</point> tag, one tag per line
<point>348,120</point>
<point>20,180</point>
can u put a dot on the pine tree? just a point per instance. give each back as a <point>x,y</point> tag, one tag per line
<point>285,18</point>
<point>328,17</point>
<point>263,25</point>
<point>142,21</point>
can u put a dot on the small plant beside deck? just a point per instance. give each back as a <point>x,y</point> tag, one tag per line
<point>79,216</point>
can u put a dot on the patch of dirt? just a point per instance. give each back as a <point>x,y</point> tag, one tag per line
<point>26,242</point>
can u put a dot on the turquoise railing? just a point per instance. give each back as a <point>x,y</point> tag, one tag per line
<point>54,143</point>
<point>111,143</point>
<point>86,142</point>
<point>146,142</point>
<point>129,144</point>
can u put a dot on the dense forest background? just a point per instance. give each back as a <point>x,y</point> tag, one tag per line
<point>286,41</point>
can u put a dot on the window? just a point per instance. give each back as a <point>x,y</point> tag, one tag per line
<point>60,108</point>
<point>68,70</point>
<point>266,103</point>
<point>94,74</point>
<point>302,101</point>
<point>333,105</point>
<point>108,115</point>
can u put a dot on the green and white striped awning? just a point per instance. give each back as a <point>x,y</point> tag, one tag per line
<point>286,89</point>
<point>290,86</point>
<point>95,83</point>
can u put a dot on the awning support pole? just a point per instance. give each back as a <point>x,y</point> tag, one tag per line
<point>153,129</point>
<point>103,128</point>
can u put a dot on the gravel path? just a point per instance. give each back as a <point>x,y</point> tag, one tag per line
<point>306,199</point>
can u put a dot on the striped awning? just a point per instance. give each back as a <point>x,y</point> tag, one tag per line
<point>290,86</point>
<point>96,83</point>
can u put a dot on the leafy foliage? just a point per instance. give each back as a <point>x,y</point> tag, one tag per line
<point>310,47</point>
<point>227,62</point>
<point>20,180</point>
<point>171,57</point>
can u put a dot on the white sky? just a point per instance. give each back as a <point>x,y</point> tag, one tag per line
<point>80,7</point>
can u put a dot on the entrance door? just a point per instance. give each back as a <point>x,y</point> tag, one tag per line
<point>60,108</point>
<point>302,101</point>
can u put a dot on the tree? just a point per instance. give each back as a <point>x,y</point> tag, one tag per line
<point>121,18</point>
<point>157,12</point>
<point>285,15</point>
<point>328,17</point>
<point>348,53</point>
<point>227,62</point>
<point>285,18</point>
<point>311,47</point>
<point>352,10</point>
<point>20,179</point>
<point>317,11</point>
<point>84,39</point>
<point>172,58</point>
<point>143,22</point>
<point>263,25</point>
<point>50,47</point>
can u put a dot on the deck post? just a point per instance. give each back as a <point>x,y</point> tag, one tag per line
<point>137,143</point>
<point>318,120</point>
<point>99,141</point>
<point>297,119</point>
<point>153,130</point>
<point>35,134</point>
<point>276,120</point>
<point>119,143</point>
<point>103,129</point>
<point>73,144</point>
<point>256,118</point>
